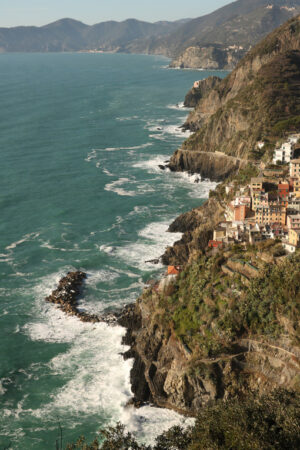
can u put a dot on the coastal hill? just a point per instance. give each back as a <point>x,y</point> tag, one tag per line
<point>220,39</point>
<point>227,324</point>
<point>214,41</point>
<point>71,35</point>
<point>258,101</point>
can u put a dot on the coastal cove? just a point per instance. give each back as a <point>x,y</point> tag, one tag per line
<point>81,190</point>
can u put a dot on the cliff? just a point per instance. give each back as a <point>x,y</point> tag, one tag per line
<point>215,166</point>
<point>208,58</point>
<point>258,101</point>
<point>197,93</point>
<point>228,326</point>
<point>220,39</point>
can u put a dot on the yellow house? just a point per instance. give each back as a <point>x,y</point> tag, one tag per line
<point>257,183</point>
<point>294,237</point>
<point>271,214</point>
<point>219,234</point>
<point>297,187</point>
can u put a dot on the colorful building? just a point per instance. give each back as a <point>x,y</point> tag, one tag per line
<point>257,184</point>
<point>240,213</point>
<point>293,221</point>
<point>270,214</point>
<point>294,237</point>
<point>295,168</point>
<point>283,190</point>
<point>284,154</point>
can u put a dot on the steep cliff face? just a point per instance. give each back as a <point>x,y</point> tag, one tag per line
<point>215,166</point>
<point>183,362</point>
<point>197,93</point>
<point>197,226</point>
<point>258,100</point>
<point>208,58</point>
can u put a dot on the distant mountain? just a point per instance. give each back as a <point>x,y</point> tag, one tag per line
<point>220,39</point>
<point>71,35</point>
<point>214,41</point>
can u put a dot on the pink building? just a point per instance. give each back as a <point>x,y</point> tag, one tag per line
<point>293,221</point>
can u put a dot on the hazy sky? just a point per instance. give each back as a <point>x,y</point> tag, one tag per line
<point>41,12</point>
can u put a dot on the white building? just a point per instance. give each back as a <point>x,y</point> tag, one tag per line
<point>294,138</point>
<point>284,154</point>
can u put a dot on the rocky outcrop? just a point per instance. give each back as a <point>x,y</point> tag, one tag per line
<point>66,296</point>
<point>197,226</point>
<point>166,371</point>
<point>208,58</point>
<point>215,166</point>
<point>196,94</point>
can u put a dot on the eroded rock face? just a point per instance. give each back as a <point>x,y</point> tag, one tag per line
<point>170,375</point>
<point>208,58</point>
<point>241,109</point>
<point>196,94</point>
<point>197,226</point>
<point>214,166</point>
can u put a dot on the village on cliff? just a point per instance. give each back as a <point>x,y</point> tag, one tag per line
<point>266,208</point>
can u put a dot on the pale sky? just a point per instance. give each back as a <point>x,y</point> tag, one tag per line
<point>41,12</point>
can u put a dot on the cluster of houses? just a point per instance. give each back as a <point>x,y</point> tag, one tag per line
<point>268,208</point>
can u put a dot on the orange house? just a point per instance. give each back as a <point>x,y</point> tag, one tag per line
<point>283,190</point>
<point>173,270</point>
<point>240,213</point>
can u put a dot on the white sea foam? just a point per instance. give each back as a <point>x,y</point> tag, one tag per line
<point>108,249</point>
<point>107,172</point>
<point>97,377</point>
<point>179,106</point>
<point>91,155</point>
<point>174,130</point>
<point>115,187</point>
<point>125,119</point>
<point>97,276</point>
<point>27,237</point>
<point>46,244</point>
<point>151,165</point>
<point>153,240</point>
<point>2,389</point>
<point>139,210</point>
<point>136,147</point>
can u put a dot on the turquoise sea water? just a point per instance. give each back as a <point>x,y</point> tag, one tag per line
<point>81,137</point>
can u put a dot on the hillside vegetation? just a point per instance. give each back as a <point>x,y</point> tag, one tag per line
<point>259,100</point>
<point>205,41</point>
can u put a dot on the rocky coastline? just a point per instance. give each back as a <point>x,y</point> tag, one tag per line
<point>67,294</point>
<point>196,339</point>
<point>214,166</point>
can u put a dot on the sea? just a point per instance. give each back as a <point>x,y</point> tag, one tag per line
<point>81,139</point>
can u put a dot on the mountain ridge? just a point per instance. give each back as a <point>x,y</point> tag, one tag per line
<point>212,42</point>
<point>73,35</point>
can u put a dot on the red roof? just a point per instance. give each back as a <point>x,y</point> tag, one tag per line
<point>215,244</point>
<point>172,270</point>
